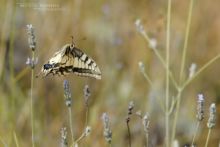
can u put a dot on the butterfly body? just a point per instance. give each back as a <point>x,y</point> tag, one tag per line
<point>71,59</point>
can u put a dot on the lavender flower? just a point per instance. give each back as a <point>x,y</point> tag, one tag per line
<point>67,93</point>
<point>31,37</point>
<point>200,107</point>
<point>64,142</point>
<point>130,108</point>
<point>107,131</point>
<point>32,62</point>
<point>212,116</point>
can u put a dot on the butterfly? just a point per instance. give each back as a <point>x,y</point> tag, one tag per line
<point>71,60</point>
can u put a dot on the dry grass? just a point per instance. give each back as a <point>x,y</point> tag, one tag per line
<point>105,30</point>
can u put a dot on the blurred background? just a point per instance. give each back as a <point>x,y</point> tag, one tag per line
<point>105,30</point>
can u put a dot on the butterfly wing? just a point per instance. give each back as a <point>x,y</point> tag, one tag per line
<point>83,65</point>
<point>70,59</point>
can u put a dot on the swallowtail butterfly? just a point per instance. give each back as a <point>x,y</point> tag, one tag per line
<point>71,59</point>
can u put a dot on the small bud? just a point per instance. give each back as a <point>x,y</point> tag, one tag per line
<point>153,43</point>
<point>87,130</point>
<point>139,26</point>
<point>192,70</point>
<point>31,62</point>
<point>141,66</point>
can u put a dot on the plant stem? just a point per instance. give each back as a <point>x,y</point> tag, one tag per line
<point>147,139</point>
<point>197,127</point>
<point>176,114</point>
<point>167,73</point>
<point>87,115</point>
<point>207,140</point>
<point>183,61</point>
<point>160,58</point>
<point>32,109</point>
<point>16,139</point>
<point>182,69</point>
<point>71,123</point>
<point>129,134</point>
<point>201,70</point>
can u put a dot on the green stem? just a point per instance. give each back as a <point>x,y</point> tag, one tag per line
<point>207,140</point>
<point>147,78</point>
<point>197,127</point>
<point>183,61</point>
<point>71,123</point>
<point>87,115</point>
<point>176,114</point>
<point>167,74</point>
<point>147,139</point>
<point>16,139</point>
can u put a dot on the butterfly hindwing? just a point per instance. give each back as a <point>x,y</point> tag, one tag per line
<point>71,59</point>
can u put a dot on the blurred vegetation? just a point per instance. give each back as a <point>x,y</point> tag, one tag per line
<point>105,30</point>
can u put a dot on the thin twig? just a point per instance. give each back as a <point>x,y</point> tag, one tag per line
<point>32,109</point>
<point>167,122</point>
<point>16,139</point>
<point>71,123</point>
<point>183,61</point>
<point>207,140</point>
<point>129,134</point>
<point>201,70</point>
<point>194,136</point>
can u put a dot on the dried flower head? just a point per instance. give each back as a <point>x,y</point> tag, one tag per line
<point>87,94</point>
<point>107,131</point>
<point>200,107</point>
<point>67,93</point>
<point>146,122</point>
<point>64,142</point>
<point>130,108</point>
<point>31,37</point>
<point>212,116</point>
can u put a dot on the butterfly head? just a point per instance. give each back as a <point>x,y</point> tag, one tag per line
<point>47,68</point>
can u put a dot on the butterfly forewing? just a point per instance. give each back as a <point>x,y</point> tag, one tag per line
<point>71,59</point>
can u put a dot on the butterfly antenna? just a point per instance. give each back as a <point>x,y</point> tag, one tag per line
<point>73,44</point>
<point>39,74</point>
